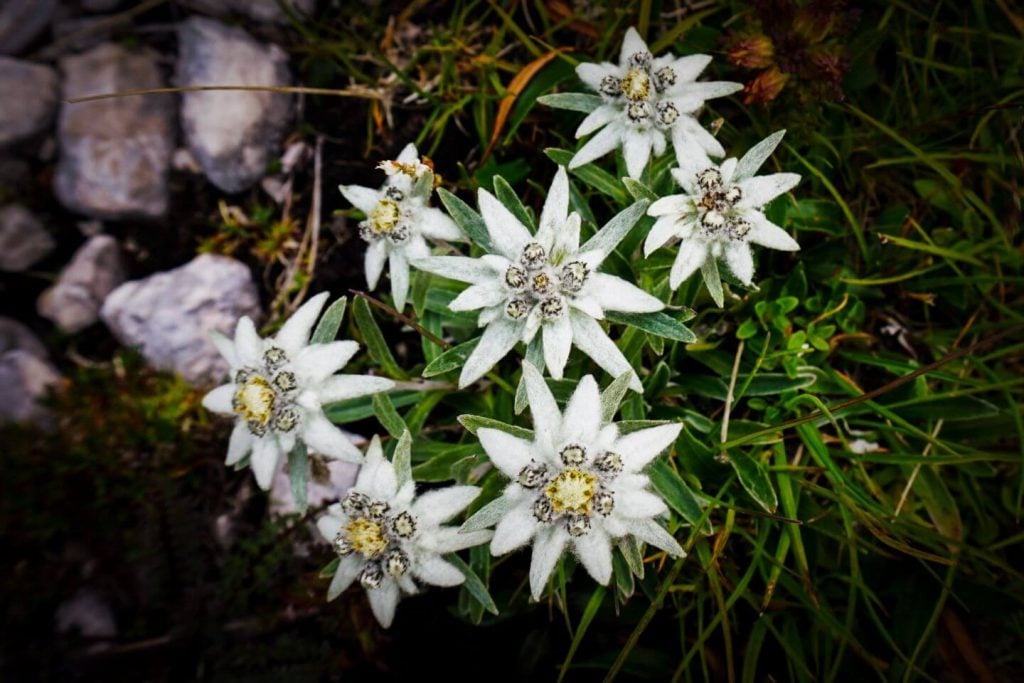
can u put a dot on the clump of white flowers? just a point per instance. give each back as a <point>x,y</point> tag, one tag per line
<point>719,213</point>
<point>399,220</point>
<point>387,538</point>
<point>277,390</point>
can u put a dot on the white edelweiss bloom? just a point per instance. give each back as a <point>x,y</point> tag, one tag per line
<point>647,99</point>
<point>386,537</point>
<point>719,213</point>
<point>578,484</point>
<point>399,221</point>
<point>277,387</point>
<point>546,281</point>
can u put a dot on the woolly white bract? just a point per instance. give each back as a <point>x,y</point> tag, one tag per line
<point>646,99</point>
<point>578,484</point>
<point>386,537</point>
<point>719,213</point>
<point>277,389</point>
<point>399,221</point>
<point>544,282</point>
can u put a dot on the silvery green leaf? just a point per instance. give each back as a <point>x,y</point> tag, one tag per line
<point>573,101</point>
<point>468,220</point>
<point>327,329</point>
<point>402,459</point>
<point>488,515</point>
<point>612,396</point>
<point>755,157</point>
<point>713,280</point>
<point>298,473</point>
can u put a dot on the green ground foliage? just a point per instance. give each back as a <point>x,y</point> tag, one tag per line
<point>858,520</point>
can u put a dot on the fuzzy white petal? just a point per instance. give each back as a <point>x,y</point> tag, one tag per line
<point>582,419</point>
<point>767,234</point>
<point>547,549</point>
<point>363,198</point>
<point>514,530</point>
<point>342,387</point>
<point>479,296</point>
<point>615,294</point>
<point>329,527</point>
<point>435,571</point>
<point>266,455</point>
<point>588,306</point>
<point>639,504</point>
<point>317,362</point>
<point>373,262</point>
<point>380,480</point>
<point>248,345</point>
<point>450,539</point>
<point>592,74</point>
<point>663,230</point>
<point>691,256</point>
<point>631,44</point>
<point>651,532</point>
<point>436,225</point>
<point>606,139</point>
<point>225,347</point>
<point>640,447</point>
<point>636,148</point>
<point>508,235</point>
<point>496,341</point>
<point>440,505</point>
<point>383,601</point>
<point>294,334</point>
<point>347,572</point>
<point>240,443</point>
<point>547,418</point>
<point>555,210</point>
<point>740,261</point>
<point>461,268</point>
<point>688,68</point>
<point>595,552</point>
<point>693,143</point>
<point>601,116</point>
<point>557,345</point>
<point>408,155</point>
<point>510,454</point>
<point>593,341</point>
<point>761,189</point>
<point>220,399</point>
<point>671,205</point>
<point>399,279</point>
<point>326,439</point>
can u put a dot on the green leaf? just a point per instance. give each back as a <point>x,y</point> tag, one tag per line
<point>655,323</point>
<point>475,422</point>
<point>402,459</point>
<point>330,569</point>
<point>489,514</point>
<point>355,409</point>
<point>452,359</point>
<point>507,196</point>
<point>374,339</point>
<point>473,584</point>
<point>594,176</point>
<point>535,355</point>
<point>630,548</point>
<point>638,190</point>
<point>327,329</point>
<point>713,281</point>
<point>611,397</point>
<point>948,408</point>
<point>676,493</point>
<point>611,233</point>
<point>573,101</point>
<point>298,473</point>
<point>440,466</point>
<point>754,478</point>
<point>468,220</point>
<point>939,503</point>
<point>385,411</point>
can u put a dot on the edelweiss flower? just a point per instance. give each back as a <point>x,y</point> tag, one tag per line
<point>385,537</point>
<point>720,213</point>
<point>645,100</point>
<point>544,281</point>
<point>277,389</point>
<point>577,484</point>
<point>398,219</point>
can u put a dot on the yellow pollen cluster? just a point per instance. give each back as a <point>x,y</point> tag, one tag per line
<point>571,491</point>
<point>254,400</point>
<point>384,216</point>
<point>366,537</point>
<point>636,85</point>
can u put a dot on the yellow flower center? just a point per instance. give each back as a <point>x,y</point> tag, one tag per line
<point>571,491</point>
<point>254,400</point>
<point>384,216</point>
<point>636,85</point>
<point>366,537</point>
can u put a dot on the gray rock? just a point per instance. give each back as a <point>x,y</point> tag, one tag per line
<point>233,134</point>
<point>115,153</point>
<point>21,22</point>
<point>95,270</point>
<point>259,10</point>
<point>30,99</point>
<point>169,316</point>
<point>24,379</point>
<point>23,239</point>
<point>16,337</point>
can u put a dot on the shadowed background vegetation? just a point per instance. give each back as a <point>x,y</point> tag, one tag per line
<point>861,520</point>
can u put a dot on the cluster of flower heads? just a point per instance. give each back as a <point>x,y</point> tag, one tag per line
<point>577,484</point>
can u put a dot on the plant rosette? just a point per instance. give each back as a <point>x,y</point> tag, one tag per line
<point>544,283</point>
<point>388,538</point>
<point>644,101</point>
<point>277,389</point>
<point>719,214</point>
<point>577,485</point>
<point>399,220</point>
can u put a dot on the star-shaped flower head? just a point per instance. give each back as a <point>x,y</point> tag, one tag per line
<point>719,213</point>
<point>277,389</point>
<point>645,100</point>
<point>386,537</point>
<point>399,221</point>
<point>544,282</point>
<point>577,484</point>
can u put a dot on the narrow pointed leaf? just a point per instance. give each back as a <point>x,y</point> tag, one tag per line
<point>573,101</point>
<point>327,329</point>
<point>298,473</point>
<point>658,323</point>
<point>468,220</point>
